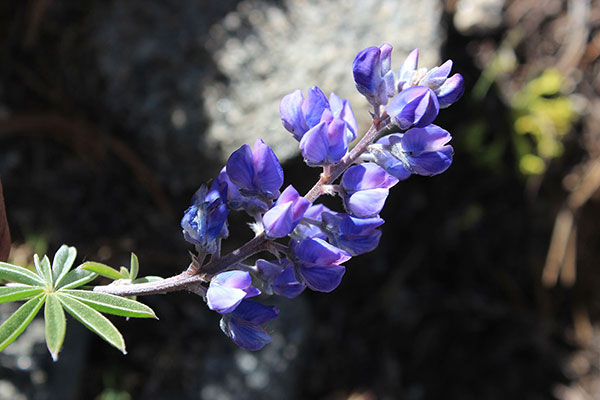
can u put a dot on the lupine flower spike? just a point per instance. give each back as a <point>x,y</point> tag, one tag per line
<point>309,241</point>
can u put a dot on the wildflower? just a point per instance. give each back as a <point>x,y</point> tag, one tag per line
<point>323,127</point>
<point>416,106</point>
<point>279,278</point>
<point>228,289</point>
<point>204,223</point>
<point>287,212</point>
<point>373,75</point>
<point>237,201</point>
<point>355,235</point>
<point>447,89</point>
<point>318,264</point>
<point>256,171</point>
<point>308,229</point>
<point>422,151</point>
<point>365,188</point>
<point>243,325</point>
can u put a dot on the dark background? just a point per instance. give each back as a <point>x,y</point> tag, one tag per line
<point>450,306</point>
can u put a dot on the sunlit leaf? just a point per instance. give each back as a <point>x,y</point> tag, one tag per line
<point>112,304</point>
<point>93,320</point>
<point>134,267</point>
<point>147,279</point>
<point>43,268</point>
<point>77,277</point>
<point>14,273</point>
<point>16,323</point>
<point>102,269</point>
<point>56,325</point>
<point>62,263</point>
<point>14,293</point>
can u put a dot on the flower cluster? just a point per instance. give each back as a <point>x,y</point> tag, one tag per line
<point>308,242</point>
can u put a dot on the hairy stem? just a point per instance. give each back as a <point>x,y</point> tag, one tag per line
<point>330,174</point>
<point>188,278</point>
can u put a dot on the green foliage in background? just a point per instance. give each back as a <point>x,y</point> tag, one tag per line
<point>542,115</point>
<point>58,288</point>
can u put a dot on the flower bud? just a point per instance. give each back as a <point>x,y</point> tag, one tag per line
<point>365,188</point>
<point>416,106</point>
<point>422,151</point>
<point>285,214</point>
<point>373,75</point>
<point>256,171</point>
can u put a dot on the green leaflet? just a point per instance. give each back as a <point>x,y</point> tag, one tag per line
<point>16,323</point>
<point>76,278</point>
<point>56,325</point>
<point>62,263</point>
<point>102,269</point>
<point>18,274</point>
<point>14,293</point>
<point>43,269</point>
<point>93,320</point>
<point>134,267</point>
<point>111,304</point>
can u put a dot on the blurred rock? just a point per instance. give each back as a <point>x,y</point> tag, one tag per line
<point>478,16</point>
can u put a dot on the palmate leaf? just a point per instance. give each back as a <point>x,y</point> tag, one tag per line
<point>14,293</point>
<point>18,274</point>
<point>103,270</point>
<point>108,303</point>
<point>53,285</point>
<point>93,320</point>
<point>56,325</point>
<point>16,323</point>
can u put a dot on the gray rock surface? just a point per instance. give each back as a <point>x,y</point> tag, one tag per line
<point>266,51</point>
<point>172,73</point>
<point>478,16</point>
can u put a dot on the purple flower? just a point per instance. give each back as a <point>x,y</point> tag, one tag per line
<point>237,201</point>
<point>416,106</point>
<point>285,214</point>
<point>451,90</point>
<point>373,75</point>
<point>323,127</point>
<point>365,189</point>
<point>319,264</point>
<point>204,223</point>
<point>383,158</point>
<point>279,278</point>
<point>243,325</point>
<point>326,143</point>
<point>422,151</point>
<point>447,90</point>
<point>299,114</point>
<point>355,235</point>
<point>228,289</point>
<point>256,171</point>
<point>408,71</point>
<point>308,230</point>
